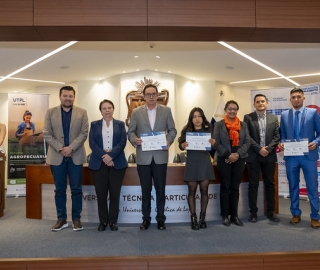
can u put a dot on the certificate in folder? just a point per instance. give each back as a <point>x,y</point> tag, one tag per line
<point>153,141</point>
<point>198,141</point>
<point>296,148</point>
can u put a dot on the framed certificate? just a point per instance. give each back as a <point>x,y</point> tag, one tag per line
<point>198,141</point>
<point>153,141</point>
<point>294,148</point>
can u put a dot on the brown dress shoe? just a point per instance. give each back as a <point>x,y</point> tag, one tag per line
<point>315,224</point>
<point>295,220</point>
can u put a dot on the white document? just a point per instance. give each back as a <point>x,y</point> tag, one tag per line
<point>153,141</point>
<point>294,148</point>
<point>198,141</point>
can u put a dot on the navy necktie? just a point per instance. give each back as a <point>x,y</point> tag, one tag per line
<point>296,125</point>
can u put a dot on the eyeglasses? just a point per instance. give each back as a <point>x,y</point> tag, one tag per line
<point>150,95</point>
<point>232,109</point>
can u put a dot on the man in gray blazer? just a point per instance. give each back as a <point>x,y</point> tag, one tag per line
<point>65,131</point>
<point>152,117</point>
<point>264,132</point>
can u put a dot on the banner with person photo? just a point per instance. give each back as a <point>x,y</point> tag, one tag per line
<point>279,101</point>
<point>25,137</point>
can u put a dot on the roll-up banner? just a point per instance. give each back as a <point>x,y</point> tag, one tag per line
<point>25,137</point>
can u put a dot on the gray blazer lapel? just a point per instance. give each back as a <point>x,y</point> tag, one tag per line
<point>144,113</point>
<point>224,129</point>
<point>158,116</point>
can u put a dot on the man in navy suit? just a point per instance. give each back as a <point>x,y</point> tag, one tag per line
<point>264,132</point>
<point>298,123</point>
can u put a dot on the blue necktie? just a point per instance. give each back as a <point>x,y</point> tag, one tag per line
<point>296,125</point>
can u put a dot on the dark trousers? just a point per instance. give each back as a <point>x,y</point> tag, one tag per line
<point>157,172</point>
<point>230,179</point>
<point>108,181</point>
<point>67,170</point>
<point>267,169</point>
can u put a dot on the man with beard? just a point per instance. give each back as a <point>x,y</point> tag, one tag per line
<point>65,130</point>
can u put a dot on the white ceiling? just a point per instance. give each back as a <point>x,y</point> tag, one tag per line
<point>193,60</point>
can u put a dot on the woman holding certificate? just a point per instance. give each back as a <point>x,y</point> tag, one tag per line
<point>107,139</point>
<point>232,143</point>
<point>198,170</point>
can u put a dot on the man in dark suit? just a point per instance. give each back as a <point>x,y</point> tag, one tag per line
<point>298,123</point>
<point>264,131</point>
<point>152,165</point>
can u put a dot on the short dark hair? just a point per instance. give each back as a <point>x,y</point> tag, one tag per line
<point>105,101</point>
<point>68,88</point>
<point>147,86</point>
<point>296,90</point>
<point>231,102</point>
<point>259,95</point>
<point>26,113</point>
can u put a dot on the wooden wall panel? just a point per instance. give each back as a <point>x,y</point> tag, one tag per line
<point>230,263</point>
<point>201,20</point>
<point>292,35</point>
<point>89,264</point>
<point>248,261</point>
<point>202,13</point>
<point>165,20</point>
<point>90,13</point>
<point>92,33</point>
<point>293,261</point>
<point>288,14</point>
<point>175,33</point>
<point>19,33</point>
<point>16,12</point>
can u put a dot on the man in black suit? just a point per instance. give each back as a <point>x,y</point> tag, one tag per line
<point>264,132</point>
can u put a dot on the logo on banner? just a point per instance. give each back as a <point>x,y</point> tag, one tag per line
<point>19,101</point>
<point>311,90</point>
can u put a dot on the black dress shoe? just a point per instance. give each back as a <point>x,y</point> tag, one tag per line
<point>272,217</point>
<point>113,226</point>
<point>161,225</point>
<point>145,225</point>
<point>236,221</point>
<point>102,227</point>
<point>225,221</point>
<point>253,218</point>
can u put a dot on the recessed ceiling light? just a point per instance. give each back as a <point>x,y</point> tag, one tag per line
<point>157,56</point>
<point>155,69</point>
<point>137,69</point>
<point>136,56</point>
<point>169,71</point>
<point>124,71</point>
